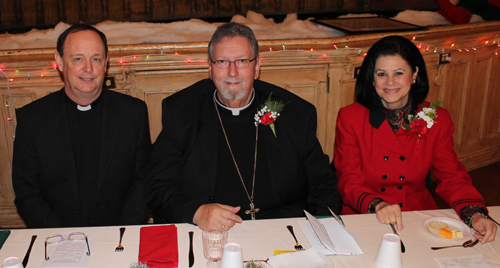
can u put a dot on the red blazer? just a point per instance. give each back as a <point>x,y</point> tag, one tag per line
<point>373,161</point>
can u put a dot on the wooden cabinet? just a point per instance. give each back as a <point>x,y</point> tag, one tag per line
<point>469,85</point>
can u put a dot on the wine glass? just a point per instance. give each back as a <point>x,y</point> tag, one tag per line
<point>213,244</point>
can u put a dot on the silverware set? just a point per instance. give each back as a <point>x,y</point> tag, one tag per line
<point>297,245</point>
<point>191,253</point>
<point>27,256</point>
<point>396,233</point>
<point>493,220</point>
<point>120,248</point>
<point>466,244</point>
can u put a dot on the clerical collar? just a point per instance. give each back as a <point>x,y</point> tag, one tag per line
<point>85,108</point>
<point>235,111</point>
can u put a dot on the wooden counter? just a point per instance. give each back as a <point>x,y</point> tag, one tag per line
<point>469,85</point>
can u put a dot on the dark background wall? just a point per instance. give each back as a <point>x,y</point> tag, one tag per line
<point>21,15</point>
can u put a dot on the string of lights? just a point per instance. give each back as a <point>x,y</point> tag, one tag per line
<point>324,54</point>
<point>9,76</point>
<point>9,105</point>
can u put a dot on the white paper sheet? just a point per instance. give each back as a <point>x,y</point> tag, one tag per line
<point>70,253</point>
<point>467,261</point>
<point>329,237</point>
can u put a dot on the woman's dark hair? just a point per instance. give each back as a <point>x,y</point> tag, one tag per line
<point>78,28</point>
<point>391,46</point>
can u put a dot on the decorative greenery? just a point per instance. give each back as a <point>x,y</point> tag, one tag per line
<point>253,264</point>
<point>269,112</point>
<point>138,265</point>
<point>420,123</point>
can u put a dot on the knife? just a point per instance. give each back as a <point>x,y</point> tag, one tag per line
<point>191,254</point>
<point>25,261</point>
<point>493,220</point>
<point>396,233</point>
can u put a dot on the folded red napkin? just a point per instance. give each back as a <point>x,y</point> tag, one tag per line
<point>158,246</point>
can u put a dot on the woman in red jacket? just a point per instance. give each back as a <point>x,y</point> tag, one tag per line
<point>382,159</point>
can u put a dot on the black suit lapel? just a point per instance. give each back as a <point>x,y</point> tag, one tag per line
<point>273,146</point>
<point>209,125</point>
<point>61,140</point>
<point>110,128</point>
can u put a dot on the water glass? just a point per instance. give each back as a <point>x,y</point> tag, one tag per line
<point>213,244</point>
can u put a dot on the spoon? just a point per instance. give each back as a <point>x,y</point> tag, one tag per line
<point>466,244</point>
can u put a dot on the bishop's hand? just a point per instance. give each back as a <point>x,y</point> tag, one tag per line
<point>216,216</point>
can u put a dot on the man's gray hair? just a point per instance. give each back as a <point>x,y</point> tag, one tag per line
<point>230,30</point>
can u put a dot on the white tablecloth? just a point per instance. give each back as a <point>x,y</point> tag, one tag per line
<point>260,238</point>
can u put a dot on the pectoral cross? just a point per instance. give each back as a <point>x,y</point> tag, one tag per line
<point>252,211</point>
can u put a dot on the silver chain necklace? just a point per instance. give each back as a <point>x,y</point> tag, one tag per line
<point>252,209</point>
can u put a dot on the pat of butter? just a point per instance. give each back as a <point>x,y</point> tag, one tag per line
<point>456,233</point>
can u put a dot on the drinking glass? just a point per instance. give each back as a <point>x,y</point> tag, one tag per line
<point>213,244</point>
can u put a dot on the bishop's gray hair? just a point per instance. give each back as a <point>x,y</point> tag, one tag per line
<point>230,30</point>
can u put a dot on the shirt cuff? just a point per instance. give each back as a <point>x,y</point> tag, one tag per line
<point>466,213</point>
<point>373,204</point>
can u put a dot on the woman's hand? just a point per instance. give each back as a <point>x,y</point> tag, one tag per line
<point>486,229</point>
<point>390,214</point>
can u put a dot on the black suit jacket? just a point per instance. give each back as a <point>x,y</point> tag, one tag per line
<point>44,169</point>
<point>183,164</point>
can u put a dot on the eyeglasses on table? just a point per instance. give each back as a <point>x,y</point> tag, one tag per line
<point>76,236</point>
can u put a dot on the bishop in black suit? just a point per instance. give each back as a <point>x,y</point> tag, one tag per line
<point>213,162</point>
<point>80,154</point>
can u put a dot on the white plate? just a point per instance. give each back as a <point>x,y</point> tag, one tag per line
<point>452,223</point>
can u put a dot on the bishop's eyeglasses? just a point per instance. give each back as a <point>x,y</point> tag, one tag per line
<point>76,236</point>
<point>240,63</point>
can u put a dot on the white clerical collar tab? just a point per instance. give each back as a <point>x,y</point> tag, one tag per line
<point>235,111</point>
<point>83,108</point>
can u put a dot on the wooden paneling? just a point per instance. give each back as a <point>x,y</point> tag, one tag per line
<point>27,14</point>
<point>469,85</point>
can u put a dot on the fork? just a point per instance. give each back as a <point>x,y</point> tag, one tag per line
<point>119,248</point>
<point>297,245</point>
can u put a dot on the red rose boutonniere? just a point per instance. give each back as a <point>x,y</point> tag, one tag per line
<point>269,112</point>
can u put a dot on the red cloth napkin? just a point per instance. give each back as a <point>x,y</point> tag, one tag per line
<point>158,246</point>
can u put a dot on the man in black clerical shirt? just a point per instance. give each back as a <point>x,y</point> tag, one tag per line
<point>80,154</point>
<point>213,164</point>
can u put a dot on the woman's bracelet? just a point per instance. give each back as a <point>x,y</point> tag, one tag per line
<point>373,204</point>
